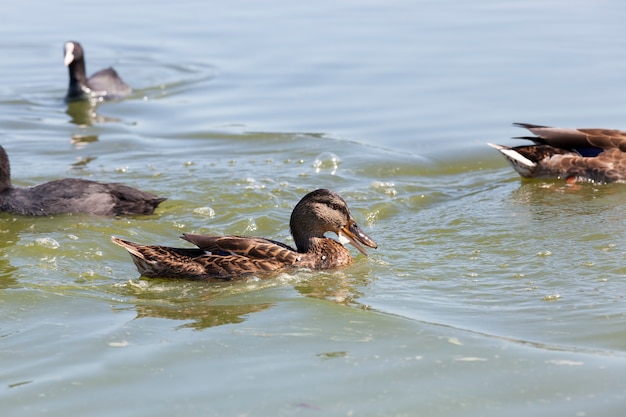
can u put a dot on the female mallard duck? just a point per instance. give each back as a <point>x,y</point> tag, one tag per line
<point>594,155</point>
<point>227,257</point>
<point>72,195</point>
<point>103,85</point>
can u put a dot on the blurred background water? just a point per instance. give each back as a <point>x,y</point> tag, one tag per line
<point>487,295</point>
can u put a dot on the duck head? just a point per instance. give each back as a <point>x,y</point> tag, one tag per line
<point>323,211</point>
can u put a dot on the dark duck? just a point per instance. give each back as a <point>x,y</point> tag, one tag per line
<point>227,257</point>
<point>72,195</point>
<point>590,155</point>
<point>105,84</point>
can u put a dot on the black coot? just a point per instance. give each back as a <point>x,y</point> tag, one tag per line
<point>72,195</point>
<point>103,85</point>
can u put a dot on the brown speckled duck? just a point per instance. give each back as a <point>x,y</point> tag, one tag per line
<point>227,257</point>
<point>592,155</point>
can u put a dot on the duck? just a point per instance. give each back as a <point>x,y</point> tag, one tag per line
<point>229,257</point>
<point>72,196</point>
<point>105,84</point>
<point>576,155</point>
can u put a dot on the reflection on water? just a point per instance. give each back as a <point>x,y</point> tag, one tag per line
<point>201,303</point>
<point>81,141</point>
<point>200,314</point>
<point>83,113</point>
<point>8,237</point>
<point>336,286</point>
<point>81,162</point>
<point>205,304</point>
<point>7,273</point>
<point>583,198</point>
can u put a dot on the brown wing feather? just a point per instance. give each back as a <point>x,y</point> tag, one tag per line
<point>249,247</point>
<point>167,262</point>
<point>606,138</point>
<point>557,137</point>
<point>234,265</point>
<point>577,138</point>
<point>163,261</point>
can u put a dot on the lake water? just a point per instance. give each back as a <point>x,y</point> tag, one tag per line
<point>487,296</point>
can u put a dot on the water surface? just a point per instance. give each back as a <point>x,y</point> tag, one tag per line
<point>487,295</point>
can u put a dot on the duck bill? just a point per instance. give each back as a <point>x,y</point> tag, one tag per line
<point>353,234</point>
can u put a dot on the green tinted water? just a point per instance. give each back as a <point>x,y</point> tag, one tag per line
<point>487,295</point>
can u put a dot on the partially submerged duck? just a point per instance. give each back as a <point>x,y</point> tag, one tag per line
<point>227,257</point>
<point>105,84</point>
<point>593,155</point>
<point>71,195</point>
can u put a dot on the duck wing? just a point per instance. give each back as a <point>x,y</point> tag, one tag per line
<point>254,248</point>
<point>587,142</point>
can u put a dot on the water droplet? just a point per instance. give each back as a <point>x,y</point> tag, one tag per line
<point>47,242</point>
<point>205,211</point>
